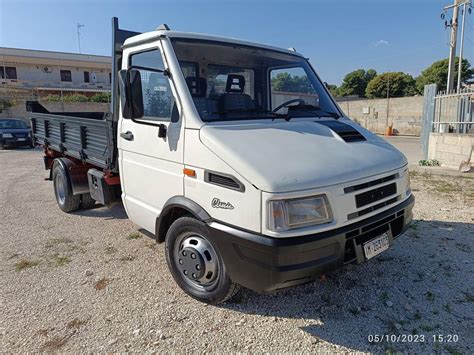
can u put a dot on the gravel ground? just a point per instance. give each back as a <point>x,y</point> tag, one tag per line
<point>91,281</point>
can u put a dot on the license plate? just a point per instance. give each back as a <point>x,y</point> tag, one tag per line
<point>376,246</point>
<point>21,139</point>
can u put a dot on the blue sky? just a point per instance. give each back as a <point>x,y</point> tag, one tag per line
<point>337,36</point>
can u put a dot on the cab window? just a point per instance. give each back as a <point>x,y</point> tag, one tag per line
<point>158,98</point>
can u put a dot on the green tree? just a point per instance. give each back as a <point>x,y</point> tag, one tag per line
<point>355,82</point>
<point>290,83</point>
<point>437,73</point>
<point>401,84</point>
<point>333,89</point>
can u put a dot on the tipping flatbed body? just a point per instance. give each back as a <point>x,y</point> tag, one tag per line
<point>86,136</point>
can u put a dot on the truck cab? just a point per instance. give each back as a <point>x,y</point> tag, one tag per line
<point>237,157</point>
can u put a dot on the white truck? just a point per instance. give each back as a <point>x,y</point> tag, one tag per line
<point>236,156</point>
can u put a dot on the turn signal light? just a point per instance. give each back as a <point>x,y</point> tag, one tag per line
<point>189,172</point>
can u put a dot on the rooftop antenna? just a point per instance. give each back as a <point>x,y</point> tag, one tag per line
<point>163,27</point>
<point>79,26</point>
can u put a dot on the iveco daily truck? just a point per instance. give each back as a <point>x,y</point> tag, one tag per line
<point>236,156</point>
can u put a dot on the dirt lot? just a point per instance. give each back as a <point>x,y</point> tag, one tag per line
<point>91,281</point>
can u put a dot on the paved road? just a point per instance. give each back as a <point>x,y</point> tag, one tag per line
<point>410,146</point>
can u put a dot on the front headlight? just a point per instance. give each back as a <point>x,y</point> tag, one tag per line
<point>300,212</point>
<point>7,135</point>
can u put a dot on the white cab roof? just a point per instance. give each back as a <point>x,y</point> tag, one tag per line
<point>152,35</point>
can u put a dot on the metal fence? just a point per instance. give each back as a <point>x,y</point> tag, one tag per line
<point>453,112</point>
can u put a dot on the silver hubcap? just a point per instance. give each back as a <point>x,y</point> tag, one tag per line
<point>60,188</point>
<point>196,260</point>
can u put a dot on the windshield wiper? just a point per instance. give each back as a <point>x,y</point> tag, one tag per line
<point>254,110</point>
<point>308,107</point>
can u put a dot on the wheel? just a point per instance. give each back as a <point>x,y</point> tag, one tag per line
<point>196,264</point>
<point>87,202</point>
<point>67,202</point>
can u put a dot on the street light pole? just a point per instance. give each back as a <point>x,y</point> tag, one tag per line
<point>79,35</point>
<point>461,47</point>
<point>388,101</point>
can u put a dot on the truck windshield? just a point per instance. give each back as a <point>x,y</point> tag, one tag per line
<point>234,82</point>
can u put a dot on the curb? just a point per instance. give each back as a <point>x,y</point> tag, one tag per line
<point>440,171</point>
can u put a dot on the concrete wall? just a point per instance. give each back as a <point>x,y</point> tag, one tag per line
<point>451,149</point>
<point>404,113</point>
<point>19,111</point>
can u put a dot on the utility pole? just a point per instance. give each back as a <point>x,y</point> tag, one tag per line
<point>462,44</point>
<point>452,45</point>
<point>79,35</point>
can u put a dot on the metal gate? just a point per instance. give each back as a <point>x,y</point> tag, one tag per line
<point>453,112</point>
<point>446,113</point>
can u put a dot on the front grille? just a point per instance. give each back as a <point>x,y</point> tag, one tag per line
<point>371,183</point>
<point>373,208</point>
<point>20,135</point>
<point>375,195</point>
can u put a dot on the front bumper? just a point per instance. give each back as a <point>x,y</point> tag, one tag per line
<point>15,142</point>
<point>266,264</point>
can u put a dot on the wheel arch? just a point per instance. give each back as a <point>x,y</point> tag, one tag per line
<point>76,175</point>
<point>174,208</point>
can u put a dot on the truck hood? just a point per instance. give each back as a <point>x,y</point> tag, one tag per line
<point>299,155</point>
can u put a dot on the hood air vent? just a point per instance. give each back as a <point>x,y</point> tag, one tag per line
<point>223,180</point>
<point>346,132</point>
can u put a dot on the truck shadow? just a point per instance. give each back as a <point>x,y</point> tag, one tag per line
<point>422,285</point>
<point>115,211</point>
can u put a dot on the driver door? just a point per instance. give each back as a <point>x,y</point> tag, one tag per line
<point>151,164</point>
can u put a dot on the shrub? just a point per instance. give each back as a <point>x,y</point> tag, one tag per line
<point>100,97</point>
<point>4,104</point>
<point>431,162</point>
<point>53,98</point>
<point>75,98</point>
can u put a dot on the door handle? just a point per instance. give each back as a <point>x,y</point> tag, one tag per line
<point>127,135</point>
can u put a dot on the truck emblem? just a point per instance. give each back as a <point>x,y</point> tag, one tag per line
<point>217,203</point>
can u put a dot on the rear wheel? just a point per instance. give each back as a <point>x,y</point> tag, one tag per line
<point>67,202</point>
<point>196,264</point>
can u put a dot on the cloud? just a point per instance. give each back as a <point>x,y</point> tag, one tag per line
<point>381,42</point>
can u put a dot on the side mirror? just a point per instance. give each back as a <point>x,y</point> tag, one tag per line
<point>131,97</point>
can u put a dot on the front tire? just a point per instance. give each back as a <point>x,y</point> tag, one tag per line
<point>67,202</point>
<point>196,264</point>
